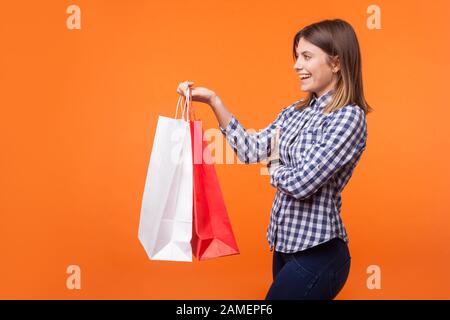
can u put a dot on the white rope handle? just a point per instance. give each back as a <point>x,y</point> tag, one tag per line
<point>185,107</point>
<point>178,104</point>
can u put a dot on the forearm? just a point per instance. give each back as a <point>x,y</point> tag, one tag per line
<point>221,112</point>
<point>250,147</point>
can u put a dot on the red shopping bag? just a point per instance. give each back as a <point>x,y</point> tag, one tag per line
<point>212,235</point>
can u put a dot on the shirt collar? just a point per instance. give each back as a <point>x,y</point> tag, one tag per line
<point>322,101</point>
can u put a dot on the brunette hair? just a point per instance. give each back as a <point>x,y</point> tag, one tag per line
<point>337,38</point>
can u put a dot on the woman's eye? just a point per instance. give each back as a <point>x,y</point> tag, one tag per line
<point>307,58</point>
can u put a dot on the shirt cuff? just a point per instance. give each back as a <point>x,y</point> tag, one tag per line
<point>233,124</point>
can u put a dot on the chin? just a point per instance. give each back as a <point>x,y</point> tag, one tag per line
<point>307,90</point>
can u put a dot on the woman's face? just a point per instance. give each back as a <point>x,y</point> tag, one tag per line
<point>316,74</point>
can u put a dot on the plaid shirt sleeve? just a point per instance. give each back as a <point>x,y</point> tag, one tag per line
<point>251,147</point>
<point>344,138</point>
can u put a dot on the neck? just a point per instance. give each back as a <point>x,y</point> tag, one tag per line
<point>329,87</point>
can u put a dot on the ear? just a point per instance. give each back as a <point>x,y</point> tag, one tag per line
<point>335,64</point>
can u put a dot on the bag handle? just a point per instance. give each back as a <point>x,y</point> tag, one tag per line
<point>191,106</point>
<point>178,105</point>
<point>186,107</point>
<point>183,107</point>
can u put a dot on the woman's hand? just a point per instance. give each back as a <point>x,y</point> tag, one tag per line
<point>207,96</point>
<point>199,94</point>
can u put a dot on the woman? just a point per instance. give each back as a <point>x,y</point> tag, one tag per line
<point>318,142</point>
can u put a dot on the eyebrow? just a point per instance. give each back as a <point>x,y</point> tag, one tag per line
<point>306,52</point>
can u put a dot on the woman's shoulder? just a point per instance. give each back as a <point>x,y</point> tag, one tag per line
<point>351,110</point>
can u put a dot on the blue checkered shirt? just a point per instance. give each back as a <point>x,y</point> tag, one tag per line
<point>318,153</point>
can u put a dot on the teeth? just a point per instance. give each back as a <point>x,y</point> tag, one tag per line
<point>305,77</point>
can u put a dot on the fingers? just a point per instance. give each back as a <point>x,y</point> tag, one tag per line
<point>184,86</point>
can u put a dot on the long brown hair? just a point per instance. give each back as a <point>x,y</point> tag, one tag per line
<point>337,37</point>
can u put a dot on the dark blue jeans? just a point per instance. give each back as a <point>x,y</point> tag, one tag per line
<point>316,273</point>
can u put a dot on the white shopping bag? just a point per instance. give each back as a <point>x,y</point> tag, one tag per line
<point>165,228</point>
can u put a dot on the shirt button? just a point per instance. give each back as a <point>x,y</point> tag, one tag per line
<point>313,141</point>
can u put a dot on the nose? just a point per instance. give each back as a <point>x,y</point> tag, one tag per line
<point>297,67</point>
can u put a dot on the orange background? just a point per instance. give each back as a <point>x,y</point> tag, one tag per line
<point>79,112</point>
